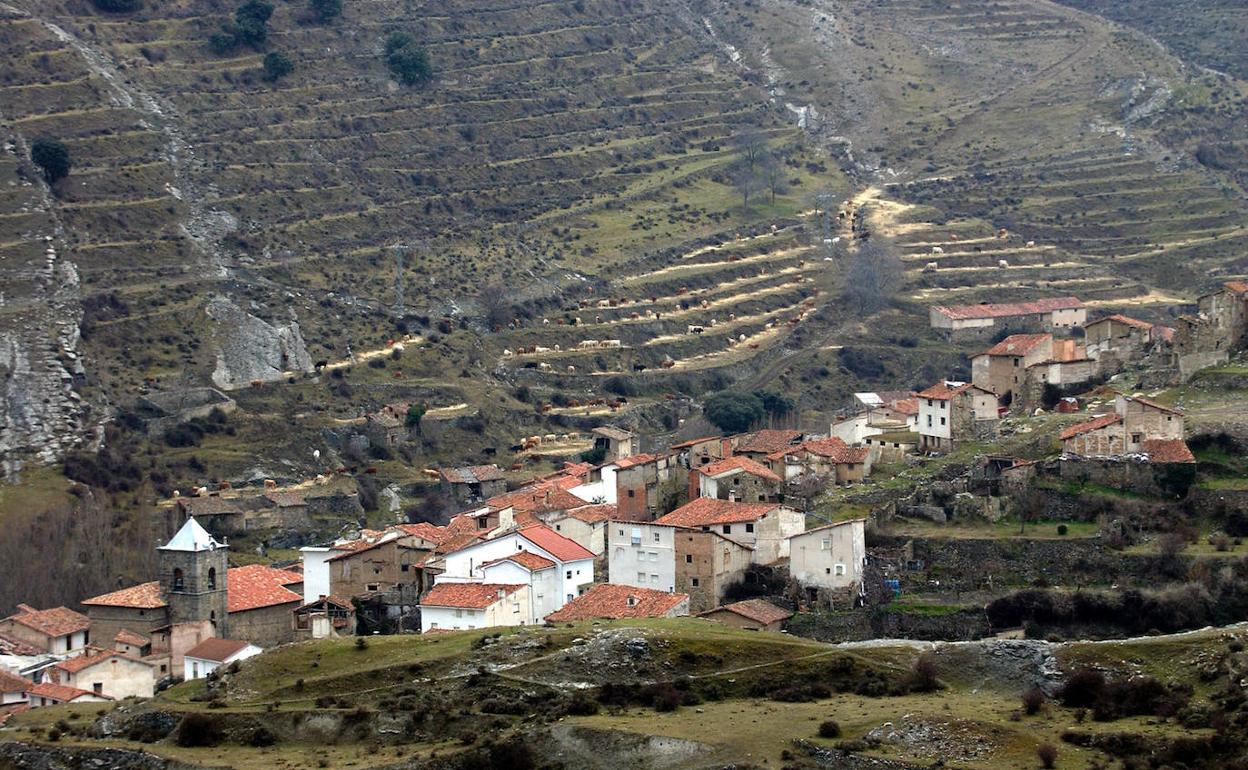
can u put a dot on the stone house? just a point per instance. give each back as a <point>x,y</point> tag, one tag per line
<point>760,444</point>
<point>739,478</point>
<point>615,443</point>
<point>324,618</point>
<point>388,425</point>
<point>390,565</point>
<point>609,601</point>
<point>261,604</point>
<point>1118,336</point>
<point>828,562</point>
<point>58,630</point>
<point>751,615</point>
<point>952,412</point>
<point>586,526</point>
<point>473,484</point>
<point>700,451</point>
<point>108,673</point>
<point>707,563</point>
<point>829,458</point>
<point>1002,368</point>
<point>648,485</point>
<point>1134,421</point>
<point>211,654</point>
<point>1217,329</point>
<point>979,321</point>
<point>763,527</point>
<point>456,606</point>
<point>891,447</point>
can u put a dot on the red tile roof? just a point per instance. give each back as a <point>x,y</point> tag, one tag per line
<point>54,621</point>
<point>285,499</point>
<point>1095,423</point>
<point>10,645</point>
<point>540,499</point>
<point>527,559</point>
<point>425,531</point>
<point>144,596</point>
<point>757,610</point>
<point>256,586</point>
<point>706,511</point>
<point>218,650</point>
<point>1018,344</point>
<point>128,637</point>
<point>1048,305</point>
<point>91,657</point>
<point>11,683</point>
<point>1239,287</point>
<point>554,543</point>
<point>944,391</point>
<point>767,441</point>
<point>61,693</point>
<point>632,460</point>
<point>611,601</point>
<point>457,542</point>
<point>475,596</point>
<point>687,444</point>
<point>905,405</point>
<point>1122,319</point>
<point>739,463</point>
<point>591,514</point>
<point>1171,450</point>
<point>1153,404</point>
<point>834,449</point>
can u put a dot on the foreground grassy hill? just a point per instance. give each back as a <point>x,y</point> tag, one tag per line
<point>678,693</point>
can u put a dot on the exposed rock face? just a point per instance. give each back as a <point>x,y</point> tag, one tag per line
<point>249,349</point>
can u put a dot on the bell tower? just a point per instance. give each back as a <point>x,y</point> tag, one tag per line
<point>193,572</point>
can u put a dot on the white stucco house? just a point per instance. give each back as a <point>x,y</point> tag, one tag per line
<point>642,554</point>
<point>465,606</point>
<point>832,557</point>
<point>210,654</point>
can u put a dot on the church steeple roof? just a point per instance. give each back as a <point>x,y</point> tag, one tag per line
<point>192,537</point>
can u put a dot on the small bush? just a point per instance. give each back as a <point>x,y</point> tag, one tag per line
<point>923,675</point>
<point>407,59</point>
<point>1082,689</point>
<point>197,730</point>
<point>1033,700</point>
<point>277,65</point>
<point>665,697</point>
<point>1047,753</point>
<point>51,157</point>
<point>1062,529</point>
<point>829,729</point>
<point>361,643</point>
<point>327,10</point>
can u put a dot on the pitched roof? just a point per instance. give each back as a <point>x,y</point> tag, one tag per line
<point>693,442</point>
<point>126,636</point>
<point>539,499</point>
<point>756,610</point>
<point>527,559</point>
<point>1171,450</point>
<point>475,596</point>
<point>191,537</point>
<point>945,391</point>
<point>62,693</point>
<point>10,645</point>
<point>285,499</point>
<point>12,683</point>
<point>425,531</point>
<point>1096,423</point>
<point>1122,319</point>
<point>1239,287</point>
<point>90,657</point>
<point>209,506</point>
<point>738,463</point>
<point>1152,404</point>
<point>835,449</point>
<point>256,586</point>
<point>554,543</point>
<point>767,441</point>
<point>905,405</point>
<point>218,650</point>
<point>54,621</point>
<point>591,514</point>
<point>1018,344</point>
<point>632,460</point>
<point>832,525</point>
<point>1047,305</point>
<point>144,596</point>
<point>611,601</point>
<point>705,511</point>
<point>612,432</point>
<point>472,474</point>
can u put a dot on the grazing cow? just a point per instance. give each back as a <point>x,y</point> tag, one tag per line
<point>668,364</point>
<point>543,366</point>
<point>321,364</point>
<point>1003,233</point>
<point>1031,244</point>
<point>931,267</point>
<point>571,369</point>
<point>1002,263</point>
<point>954,237</point>
<point>639,367</point>
<point>740,338</point>
<point>696,329</point>
<point>545,322</point>
<point>540,349</point>
<point>611,344</point>
<point>836,240</point>
<point>937,250</point>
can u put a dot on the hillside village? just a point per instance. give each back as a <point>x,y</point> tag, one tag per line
<point>732,528</point>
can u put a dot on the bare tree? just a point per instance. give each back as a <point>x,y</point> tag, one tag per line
<point>747,181</point>
<point>751,144</point>
<point>875,272</point>
<point>807,488</point>
<point>773,175</point>
<point>495,305</point>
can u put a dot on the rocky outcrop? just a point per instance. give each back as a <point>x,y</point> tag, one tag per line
<point>252,350</point>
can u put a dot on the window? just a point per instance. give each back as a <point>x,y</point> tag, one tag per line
<point>372,587</point>
<point>459,613</point>
<point>750,527</point>
<point>942,420</point>
<point>929,421</point>
<point>1135,438</point>
<point>515,607</point>
<point>636,536</point>
<point>405,568</point>
<point>179,582</point>
<point>641,577</point>
<point>827,571</point>
<point>727,529</point>
<point>656,537</point>
<point>694,582</point>
<point>194,670</point>
<point>654,579</point>
<point>212,578</point>
<point>688,558</point>
<point>571,597</point>
<point>97,688</point>
<point>632,493</point>
<point>825,544</point>
<point>569,574</point>
<point>840,569</point>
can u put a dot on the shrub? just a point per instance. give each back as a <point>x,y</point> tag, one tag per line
<point>829,729</point>
<point>1082,689</point>
<point>733,412</point>
<point>581,705</point>
<point>665,697</point>
<point>407,59</point>
<point>51,157</point>
<point>361,643</point>
<point>197,730</point>
<point>1062,529</point>
<point>117,6</point>
<point>1047,753</point>
<point>327,10</point>
<point>277,65</point>
<point>1033,700</point>
<point>923,675</point>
